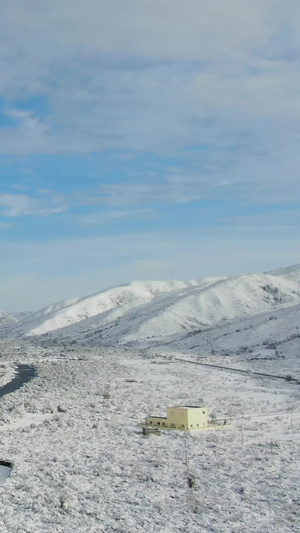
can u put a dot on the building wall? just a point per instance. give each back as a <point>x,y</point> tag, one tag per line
<point>197,418</point>
<point>156,421</point>
<point>177,416</point>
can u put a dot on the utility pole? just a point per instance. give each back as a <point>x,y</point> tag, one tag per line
<point>185,452</point>
<point>242,432</point>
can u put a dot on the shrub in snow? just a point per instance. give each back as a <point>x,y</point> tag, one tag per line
<point>191,481</point>
<point>106,394</point>
<point>61,409</point>
<point>65,503</point>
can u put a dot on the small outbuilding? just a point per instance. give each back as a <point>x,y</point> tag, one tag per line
<point>185,418</point>
<point>149,430</point>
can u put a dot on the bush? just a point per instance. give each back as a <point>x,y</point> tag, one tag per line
<point>191,481</point>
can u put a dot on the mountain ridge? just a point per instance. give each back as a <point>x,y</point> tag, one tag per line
<point>145,314</point>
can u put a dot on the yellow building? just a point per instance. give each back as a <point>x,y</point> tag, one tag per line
<point>186,418</point>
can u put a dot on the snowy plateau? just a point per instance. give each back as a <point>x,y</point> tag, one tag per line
<point>80,462</point>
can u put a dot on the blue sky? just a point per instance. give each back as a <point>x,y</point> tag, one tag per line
<point>145,140</point>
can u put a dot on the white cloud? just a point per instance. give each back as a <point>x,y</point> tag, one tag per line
<point>16,205</point>
<point>27,137</point>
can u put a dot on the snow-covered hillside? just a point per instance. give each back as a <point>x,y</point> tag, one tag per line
<point>110,304</point>
<point>291,272</point>
<point>145,314</point>
<point>6,318</point>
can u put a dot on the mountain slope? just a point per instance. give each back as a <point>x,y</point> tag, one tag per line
<point>291,272</point>
<point>6,319</point>
<point>110,304</point>
<point>145,314</point>
<point>176,315</point>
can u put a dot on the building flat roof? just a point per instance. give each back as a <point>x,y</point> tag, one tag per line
<point>188,407</point>
<point>153,416</point>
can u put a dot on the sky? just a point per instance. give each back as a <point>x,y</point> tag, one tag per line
<point>145,139</point>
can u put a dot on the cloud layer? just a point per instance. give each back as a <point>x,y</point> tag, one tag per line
<point>193,112</point>
<point>145,75</point>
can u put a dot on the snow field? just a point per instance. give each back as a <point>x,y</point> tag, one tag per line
<point>88,467</point>
<point>106,361</point>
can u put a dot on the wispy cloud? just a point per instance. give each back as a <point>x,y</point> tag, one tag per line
<point>94,219</point>
<point>15,205</point>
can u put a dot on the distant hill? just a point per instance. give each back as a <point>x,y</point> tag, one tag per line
<point>167,313</point>
<point>109,304</point>
<point>290,272</point>
<point>6,318</point>
<point>20,315</point>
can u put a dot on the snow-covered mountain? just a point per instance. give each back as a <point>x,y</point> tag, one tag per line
<point>110,304</point>
<point>165,313</point>
<point>291,272</point>
<point>6,318</point>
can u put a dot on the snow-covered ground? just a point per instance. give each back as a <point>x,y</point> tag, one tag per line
<point>7,372</point>
<point>84,464</point>
<point>6,319</point>
<point>105,362</point>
